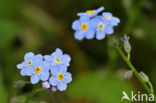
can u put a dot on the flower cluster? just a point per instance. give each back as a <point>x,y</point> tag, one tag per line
<point>51,68</point>
<point>91,24</point>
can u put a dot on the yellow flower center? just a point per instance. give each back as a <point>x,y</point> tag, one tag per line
<point>57,60</point>
<point>107,17</point>
<point>101,26</point>
<point>38,69</point>
<point>84,27</point>
<point>29,63</point>
<point>60,76</point>
<point>90,12</point>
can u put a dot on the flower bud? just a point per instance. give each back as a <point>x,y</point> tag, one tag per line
<point>54,89</point>
<point>144,76</point>
<point>19,84</point>
<point>127,75</point>
<point>127,45</point>
<point>45,85</point>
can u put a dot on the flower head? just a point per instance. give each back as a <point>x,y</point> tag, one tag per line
<point>102,27</point>
<point>91,13</point>
<point>58,59</point>
<point>113,21</point>
<point>60,77</point>
<point>28,62</point>
<point>84,28</point>
<point>40,71</point>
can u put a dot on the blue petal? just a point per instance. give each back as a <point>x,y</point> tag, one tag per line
<point>30,70</point>
<point>45,66</point>
<point>39,56</point>
<point>35,79</point>
<point>100,35</point>
<point>67,77</point>
<point>48,58</point>
<point>79,35</point>
<point>109,30</point>
<point>100,9</point>
<point>37,63</point>
<point>53,81</point>
<point>63,69</point>
<point>81,14</point>
<point>84,19</point>
<point>44,76</point>
<point>76,25</point>
<point>62,86</point>
<point>55,70</point>
<point>115,21</point>
<point>29,56</point>
<point>23,72</point>
<point>57,52</point>
<point>66,59</point>
<point>94,22</point>
<point>107,14</point>
<point>20,66</point>
<point>90,34</point>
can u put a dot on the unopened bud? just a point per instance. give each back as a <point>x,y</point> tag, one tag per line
<point>46,84</point>
<point>53,89</point>
<point>144,76</point>
<point>127,45</point>
<point>19,84</point>
<point>127,75</point>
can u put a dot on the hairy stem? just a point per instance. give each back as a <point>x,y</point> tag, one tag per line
<point>134,70</point>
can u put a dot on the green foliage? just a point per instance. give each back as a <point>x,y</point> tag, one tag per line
<point>8,31</point>
<point>3,92</point>
<point>101,88</point>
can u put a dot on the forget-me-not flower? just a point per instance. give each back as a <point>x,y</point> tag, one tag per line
<point>60,77</point>
<point>40,71</point>
<point>58,59</point>
<point>113,21</point>
<point>91,13</point>
<point>102,27</point>
<point>28,62</point>
<point>84,28</point>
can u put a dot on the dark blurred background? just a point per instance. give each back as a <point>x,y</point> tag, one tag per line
<point>41,26</point>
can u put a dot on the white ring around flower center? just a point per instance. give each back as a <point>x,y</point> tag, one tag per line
<point>108,17</point>
<point>29,63</point>
<point>101,26</point>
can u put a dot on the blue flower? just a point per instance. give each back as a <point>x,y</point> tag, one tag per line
<point>83,28</point>
<point>60,77</point>
<point>91,13</point>
<point>102,27</point>
<point>40,71</point>
<point>58,59</point>
<point>28,62</point>
<point>113,21</point>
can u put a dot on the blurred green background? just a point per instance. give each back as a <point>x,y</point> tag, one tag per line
<point>41,26</point>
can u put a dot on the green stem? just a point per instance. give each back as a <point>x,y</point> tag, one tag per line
<point>128,55</point>
<point>134,70</point>
<point>151,87</point>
